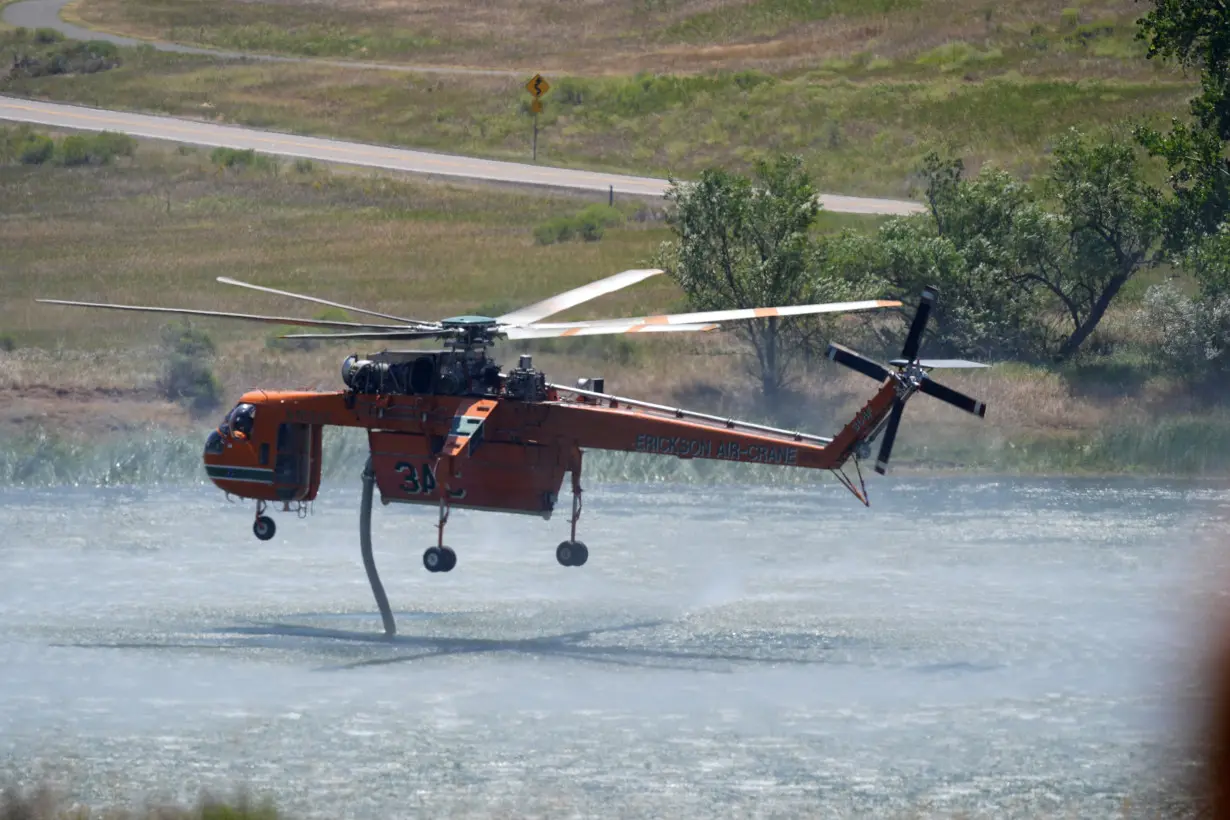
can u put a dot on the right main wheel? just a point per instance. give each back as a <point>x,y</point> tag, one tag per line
<point>450,559</point>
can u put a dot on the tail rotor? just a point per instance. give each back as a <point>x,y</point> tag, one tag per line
<point>909,376</point>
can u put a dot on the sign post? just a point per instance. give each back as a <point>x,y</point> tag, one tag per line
<point>537,86</point>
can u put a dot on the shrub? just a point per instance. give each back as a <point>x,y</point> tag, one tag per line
<point>72,57</point>
<point>187,378</point>
<point>46,36</point>
<point>183,338</point>
<point>35,149</point>
<point>556,229</point>
<point>7,343</point>
<point>241,159</point>
<point>304,166</point>
<point>232,157</point>
<point>1190,336</point>
<point>102,49</point>
<point>75,150</point>
<point>590,225</point>
<point>106,145</point>
<point>191,383</point>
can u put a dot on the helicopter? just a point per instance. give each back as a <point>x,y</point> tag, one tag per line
<point>451,427</point>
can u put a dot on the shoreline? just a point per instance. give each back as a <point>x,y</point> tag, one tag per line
<point>158,456</point>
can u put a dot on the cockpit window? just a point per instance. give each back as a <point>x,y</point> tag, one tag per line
<point>241,419</point>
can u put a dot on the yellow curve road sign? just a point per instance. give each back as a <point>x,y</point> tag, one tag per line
<point>538,86</point>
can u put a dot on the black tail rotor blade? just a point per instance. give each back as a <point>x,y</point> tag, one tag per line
<point>953,397</point>
<point>890,435</point>
<point>857,361</point>
<point>914,340</point>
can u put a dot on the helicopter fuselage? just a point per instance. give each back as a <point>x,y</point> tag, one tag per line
<point>269,446</point>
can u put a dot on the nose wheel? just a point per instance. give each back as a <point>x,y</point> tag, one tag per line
<point>439,559</point>
<point>263,528</point>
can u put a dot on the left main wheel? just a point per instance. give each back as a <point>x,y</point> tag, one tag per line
<point>439,559</point>
<point>264,528</point>
<point>571,554</point>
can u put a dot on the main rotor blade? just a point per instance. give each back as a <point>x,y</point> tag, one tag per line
<point>738,313</point>
<point>571,298</point>
<point>378,335</point>
<point>857,361</point>
<point>953,397</point>
<point>217,314</point>
<point>914,339</point>
<point>890,435</point>
<point>933,364</point>
<point>226,280</point>
<point>628,326</point>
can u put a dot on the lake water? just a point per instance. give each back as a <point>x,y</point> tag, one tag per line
<point>999,647</point>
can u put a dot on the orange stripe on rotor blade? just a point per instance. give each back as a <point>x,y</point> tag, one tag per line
<point>572,331</point>
<point>657,320</point>
<point>763,312</point>
<point>638,328</point>
<point>887,303</point>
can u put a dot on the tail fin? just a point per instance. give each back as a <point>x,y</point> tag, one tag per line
<point>910,375</point>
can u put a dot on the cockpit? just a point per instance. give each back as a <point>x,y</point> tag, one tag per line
<point>237,425</point>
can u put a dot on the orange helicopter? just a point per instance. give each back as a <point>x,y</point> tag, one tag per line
<point>451,428</point>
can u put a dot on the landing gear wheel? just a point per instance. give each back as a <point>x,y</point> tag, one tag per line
<point>264,528</point>
<point>439,559</point>
<point>571,554</point>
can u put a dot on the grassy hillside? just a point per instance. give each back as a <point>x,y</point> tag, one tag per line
<point>627,36</point>
<point>862,96</point>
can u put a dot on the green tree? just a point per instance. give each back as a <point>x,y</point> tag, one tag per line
<point>1114,219</point>
<point>969,244</point>
<point>1194,34</point>
<point>1019,279</point>
<point>1208,260</point>
<point>746,242</point>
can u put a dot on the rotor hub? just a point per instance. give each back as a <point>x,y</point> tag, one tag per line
<point>909,378</point>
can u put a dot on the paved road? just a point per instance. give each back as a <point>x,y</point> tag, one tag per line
<point>374,156</point>
<point>46,14</point>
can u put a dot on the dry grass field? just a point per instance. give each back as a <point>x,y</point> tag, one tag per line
<point>628,36</point>
<point>861,96</point>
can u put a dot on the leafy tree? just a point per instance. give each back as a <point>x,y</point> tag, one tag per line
<point>1114,219</point>
<point>1208,259</point>
<point>1195,34</point>
<point>743,243</point>
<point>1019,279</point>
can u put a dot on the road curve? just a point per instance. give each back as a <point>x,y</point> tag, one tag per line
<point>46,14</point>
<point>59,115</point>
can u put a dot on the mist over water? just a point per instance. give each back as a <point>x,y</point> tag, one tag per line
<point>1006,648</point>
